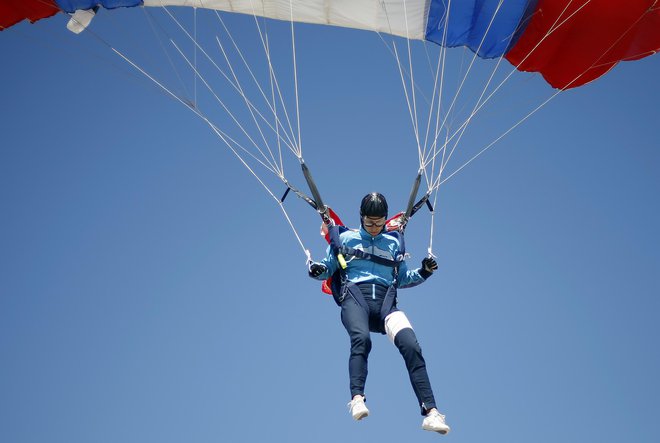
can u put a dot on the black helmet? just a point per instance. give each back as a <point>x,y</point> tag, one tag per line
<point>373,205</point>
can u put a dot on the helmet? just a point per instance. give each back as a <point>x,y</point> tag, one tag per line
<point>373,205</point>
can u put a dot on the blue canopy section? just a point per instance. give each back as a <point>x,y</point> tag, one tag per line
<point>469,22</point>
<point>71,6</point>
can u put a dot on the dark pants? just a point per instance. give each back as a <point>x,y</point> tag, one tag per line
<point>359,320</point>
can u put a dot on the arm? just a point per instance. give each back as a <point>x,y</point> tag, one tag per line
<point>408,278</point>
<point>330,263</point>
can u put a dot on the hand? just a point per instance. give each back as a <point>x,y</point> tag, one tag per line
<point>429,265</point>
<point>316,269</point>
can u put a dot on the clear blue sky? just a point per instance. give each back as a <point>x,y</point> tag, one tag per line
<point>150,290</point>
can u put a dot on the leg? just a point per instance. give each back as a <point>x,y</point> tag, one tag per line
<point>356,321</point>
<point>401,333</point>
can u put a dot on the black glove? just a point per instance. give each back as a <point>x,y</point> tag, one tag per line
<point>316,269</point>
<point>428,266</point>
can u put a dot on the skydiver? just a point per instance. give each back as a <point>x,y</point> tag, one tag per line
<point>367,297</point>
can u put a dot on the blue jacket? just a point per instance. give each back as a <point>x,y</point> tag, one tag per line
<point>366,271</point>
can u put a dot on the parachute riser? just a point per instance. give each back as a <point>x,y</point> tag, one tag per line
<point>410,207</point>
<point>316,195</point>
<point>320,207</point>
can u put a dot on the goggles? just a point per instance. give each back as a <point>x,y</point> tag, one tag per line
<point>368,223</point>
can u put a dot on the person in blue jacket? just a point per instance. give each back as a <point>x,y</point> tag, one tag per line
<point>375,268</point>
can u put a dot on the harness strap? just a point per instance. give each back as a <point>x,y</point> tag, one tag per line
<point>348,251</point>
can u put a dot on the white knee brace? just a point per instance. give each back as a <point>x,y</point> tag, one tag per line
<point>395,322</point>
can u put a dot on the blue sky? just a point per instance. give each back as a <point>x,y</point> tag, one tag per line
<point>150,290</point>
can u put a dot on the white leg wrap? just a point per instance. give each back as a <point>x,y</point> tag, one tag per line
<point>395,322</point>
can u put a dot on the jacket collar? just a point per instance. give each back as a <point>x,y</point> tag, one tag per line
<point>365,234</point>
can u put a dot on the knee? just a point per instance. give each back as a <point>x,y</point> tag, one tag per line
<point>361,342</point>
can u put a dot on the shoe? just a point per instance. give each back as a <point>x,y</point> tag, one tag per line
<point>358,408</point>
<point>435,421</point>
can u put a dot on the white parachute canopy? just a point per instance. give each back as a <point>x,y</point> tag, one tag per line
<point>402,18</point>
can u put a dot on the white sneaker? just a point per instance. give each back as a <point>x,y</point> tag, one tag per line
<point>358,408</point>
<point>435,421</point>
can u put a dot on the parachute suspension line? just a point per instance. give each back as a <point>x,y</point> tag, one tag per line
<point>296,149</point>
<point>553,28</point>
<point>432,226</point>
<point>474,57</point>
<point>277,127</point>
<point>412,82</point>
<point>162,87</point>
<point>431,154</point>
<point>195,51</point>
<point>247,102</point>
<point>546,101</point>
<point>289,142</point>
<point>271,167</point>
<point>481,103</point>
<point>152,23</point>
<point>403,83</point>
<point>266,164</point>
<point>295,79</point>
<point>223,136</point>
<point>596,63</point>
<point>438,75</point>
<point>295,232</point>
<point>503,135</point>
<point>150,77</point>
<point>556,25</point>
<point>437,91</point>
<point>465,76</point>
<point>280,203</point>
<point>408,101</point>
<point>431,112</point>
<point>236,85</point>
<point>472,114</point>
<point>413,110</point>
<point>442,59</point>
<point>273,84</point>
<point>239,88</point>
<point>420,91</point>
<point>434,109</point>
<point>435,190</point>
<point>226,140</point>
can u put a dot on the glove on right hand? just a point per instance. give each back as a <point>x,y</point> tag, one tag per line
<point>316,269</point>
<point>429,264</point>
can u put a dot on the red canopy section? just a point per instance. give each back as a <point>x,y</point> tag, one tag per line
<point>572,42</point>
<point>15,11</point>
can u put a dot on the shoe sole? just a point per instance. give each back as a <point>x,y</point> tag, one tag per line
<point>443,431</point>
<point>360,416</point>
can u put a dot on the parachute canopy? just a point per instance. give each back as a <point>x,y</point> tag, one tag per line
<point>570,42</point>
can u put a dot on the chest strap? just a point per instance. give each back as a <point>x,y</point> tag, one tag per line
<point>358,253</point>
